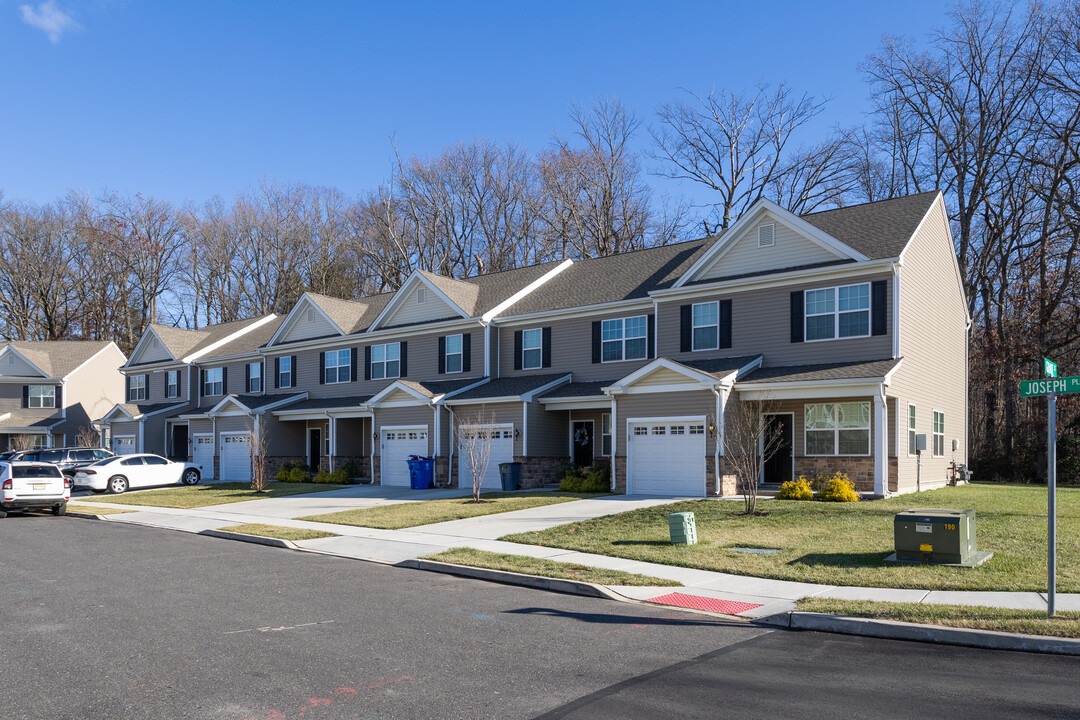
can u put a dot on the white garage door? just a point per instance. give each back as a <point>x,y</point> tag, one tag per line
<point>397,445</point>
<point>202,454</point>
<point>502,451</point>
<point>666,458</point>
<point>124,445</point>
<point>236,457</point>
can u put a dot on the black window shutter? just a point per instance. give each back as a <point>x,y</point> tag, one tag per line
<point>596,341</point>
<point>404,359</point>
<point>225,380</point>
<point>293,370</point>
<point>725,323</point>
<point>466,352</point>
<point>797,316</point>
<point>277,372</point>
<point>179,383</point>
<point>202,382</point>
<point>442,355</point>
<point>352,365</point>
<point>517,349</point>
<point>127,393</point>
<point>650,337</point>
<point>878,307</point>
<point>247,377</point>
<point>59,403</point>
<point>545,353</point>
<point>26,394</point>
<point>685,328</point>
<point>322,368</point>
<point>367,362</point>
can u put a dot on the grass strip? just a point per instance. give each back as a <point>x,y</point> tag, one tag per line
<point>278,531</point>
<point>545,568</point>
<point>91,510</point>
<point>194,496</point>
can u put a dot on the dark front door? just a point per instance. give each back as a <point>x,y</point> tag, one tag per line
<point>179,442</point>
<point>583,443</point>
<point>778,466</point>
<point>314,448</point>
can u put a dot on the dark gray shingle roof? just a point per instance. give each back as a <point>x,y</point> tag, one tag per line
<point>431,388</point>
<point>507,387</point>
<point>830,371</point>
<point>593,388</point>
<point>254,402</point>
<point>719,367</point>
<point>249,342</point>
<point>137,409</point>
<point>878,229</point>
<point>333,403</point>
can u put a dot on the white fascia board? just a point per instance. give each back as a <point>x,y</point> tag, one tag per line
<point>10,349</point>
<point>449,395</point>
<point>114,408</point>
<point>375,399</point>
<point>661,363</point>
<point>253,355</point>
<point>262,410</point>
<point>229,338</point>
<point>528,396</point>
<point>615,306</point>
<point>89,359</point>
<point>655,389</point>
<point>403,292</point>
<point>791,277</point>
<point>153,367</point>
<point>485,401</point>
<point>749,367</point>
<point>887,380</point>
<point>810,390</point>
<point>150,332</point>
<point>569,403</point>
<point>164,410</point>
<point>508,302</point>
<point>359,339</point>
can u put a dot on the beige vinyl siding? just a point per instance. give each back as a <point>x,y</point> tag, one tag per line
<point>411,312</point>
<point>761,323</point>
<point>933,343</point>
<point>547,431</point>
<point>661,376</point>
<point>497,414</point>
<point>152,351</point>
<point>594,416</point>
<point>790,249</point>
<point>688,403</point>
<point>14,366</point>
<point>571,348</point>
<point>303,329</point>
<point>416,415</point>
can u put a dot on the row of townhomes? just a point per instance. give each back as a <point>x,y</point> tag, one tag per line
<point>852,322</point>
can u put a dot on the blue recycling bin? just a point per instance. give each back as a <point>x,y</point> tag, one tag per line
<point>420,472</point>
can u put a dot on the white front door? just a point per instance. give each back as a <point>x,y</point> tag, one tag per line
<point>397,445</point>
<point>666,457</point>
<point>236,457</point>
<point>501,438</point>
<point>202,454</point>
<point>124,444</point>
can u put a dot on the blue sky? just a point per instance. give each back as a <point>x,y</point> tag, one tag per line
<point>185,100</point>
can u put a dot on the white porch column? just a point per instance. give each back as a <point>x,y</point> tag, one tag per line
<point>881,446</point>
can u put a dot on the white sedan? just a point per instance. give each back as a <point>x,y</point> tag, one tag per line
<point>117,474</point>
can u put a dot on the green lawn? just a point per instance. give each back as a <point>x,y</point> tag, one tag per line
<point>845,543</point>
<point>193,496</point>
<point>278,531</point>
<point>1027,622</point>
<point>403,515</point>
<point>545,568</point>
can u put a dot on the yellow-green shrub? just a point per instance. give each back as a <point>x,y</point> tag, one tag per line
<point>796,490</point>
<point>838,488</point>
<point>292,472</point>
<point>338,477</point>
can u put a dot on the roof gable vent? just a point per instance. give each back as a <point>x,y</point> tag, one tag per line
<point>765,236</point>
<point>421,295</point>
<point>310,315</point>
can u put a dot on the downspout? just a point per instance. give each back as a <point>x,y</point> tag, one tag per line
<point>717,441</point>
<point>614,442</point>
<point>256,444</point>
<point>525,429</point>
<point>450,450</point>
<point>487,350</point>
<point>331,423</point>
<point>142,428</point>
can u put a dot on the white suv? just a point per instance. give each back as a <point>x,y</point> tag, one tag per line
<point>29,485</point>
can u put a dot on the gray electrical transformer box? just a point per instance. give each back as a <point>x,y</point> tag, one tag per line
<point>935,535</point>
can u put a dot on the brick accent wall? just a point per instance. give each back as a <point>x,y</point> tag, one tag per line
<point>728,485</point>
<point>859,469</point>
<point>442,471</point>
<point>620,474</point>
<point>362,463</point>
<point>539,471</point>
<point>274,462</point>
<point>376,469</point>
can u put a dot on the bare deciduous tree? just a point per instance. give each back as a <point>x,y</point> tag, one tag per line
<point>87,437</point>
<point>749,442</point>
<point>474,443</point>
<point>259,450</point>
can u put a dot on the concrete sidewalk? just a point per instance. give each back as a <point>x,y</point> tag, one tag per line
<point>702,589</point>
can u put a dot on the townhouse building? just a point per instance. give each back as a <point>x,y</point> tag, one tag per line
<point>51,391</point>
<point>852,323</point>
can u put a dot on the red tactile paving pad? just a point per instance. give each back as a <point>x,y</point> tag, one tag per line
<point>728,607</point>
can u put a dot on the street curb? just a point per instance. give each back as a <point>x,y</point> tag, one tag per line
<point>257,539</point>
<point>896,630</point>
<point>537,582</point>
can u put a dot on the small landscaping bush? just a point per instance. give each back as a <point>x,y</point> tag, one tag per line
<point>838,488</point>
<point>338,477</point>
<point>595,478</point>
<point>293,473</point>
<point>796,490</point>
<point>351,470</point>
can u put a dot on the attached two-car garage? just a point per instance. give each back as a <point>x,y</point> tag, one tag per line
<point>666,457</point>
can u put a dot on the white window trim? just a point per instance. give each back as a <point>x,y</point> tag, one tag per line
<point>447,354</point>
<point>836,313</point>
<point>836,430</point>
<point>525,349</point>
<point>337,366</point>
<point>912,442</point>
<point>210,383</point>
<point>694,326</point>
<point>172,390</point>
<point>384,362</point>
<point>288,372</point>
<point>41,398</point>
<point>934,433</point>
<point>252,367</point>
<point>142,387</point>
<point>622,340</point>
<point>606,417</point>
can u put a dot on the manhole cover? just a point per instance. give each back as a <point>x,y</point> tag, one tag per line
<point>762,551</point>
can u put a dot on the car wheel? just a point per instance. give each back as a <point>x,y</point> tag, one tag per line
<point>190,477</point>
<point>117,484</point>
<point>59,509</point>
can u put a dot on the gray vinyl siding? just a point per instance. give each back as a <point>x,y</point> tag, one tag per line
<point>233,386</point>
<point>200,427</point>
<point>933,343</point>
<point>125,429</point>
<point>353,436</point>
<point>672,404</point>
<point>152,351</point>
<point>15,366</point>
<point>496,414</point>
<point>302,329</point>
<point>761,323</point>
<point>571,348</point>
<point>285,438</point>
<point>154,434</point>
<point>547,431</point>
<point>418,415</point>
<point>11,396</point>
<point>411,312</point>
<point>235,423</point>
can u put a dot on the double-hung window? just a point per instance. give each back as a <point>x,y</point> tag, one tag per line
<point>453,353</point>
<point>624,339</point>
<point>605,434</point>
<point>385,361</point>
<point>838,312</point>
<point>172,383</point>
<point>706,326</point>
<point>939,434</point>
<point>285,372</point>
<point>43,396</point>
<point>137,388</point>
<point>838,428</point>
<point>255,384</point>
<point>338,366</point>
<point>214,384</point>
<point>532,353</point>
<point>912,436</point>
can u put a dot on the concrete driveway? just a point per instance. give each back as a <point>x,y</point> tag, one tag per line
<point>354,497</point>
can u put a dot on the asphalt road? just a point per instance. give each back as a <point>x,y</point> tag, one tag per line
<point>104,620</point>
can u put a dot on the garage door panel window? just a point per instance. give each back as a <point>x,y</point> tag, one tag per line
<point>837,428</point>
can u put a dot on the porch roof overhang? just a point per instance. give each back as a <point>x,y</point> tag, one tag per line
<point>834,380</point>
<point>323,408</point>
<point>522,388</point>
<point>578,396</point>
<point>245,405</point>
<point>133,412</point>
<point>707,374</point>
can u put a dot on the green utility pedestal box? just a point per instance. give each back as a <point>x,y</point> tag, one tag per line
<point>938,536</point>
<point>683,528</point>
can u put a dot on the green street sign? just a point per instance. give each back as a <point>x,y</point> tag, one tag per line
<point>1063,386</point>
<point>1049,367</point>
